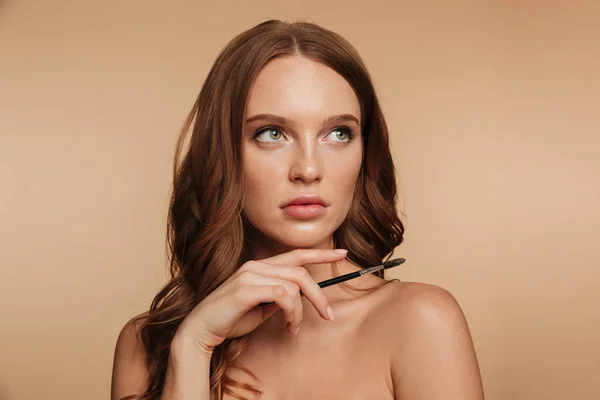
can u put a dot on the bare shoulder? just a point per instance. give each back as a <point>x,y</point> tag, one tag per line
<point>420,303</point>
<point>405,308</point>
<point>130,372</point>
<point>431,350</point>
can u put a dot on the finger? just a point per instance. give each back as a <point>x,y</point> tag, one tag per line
<point>301,257</point>
<point>250,277</point>
<point>298,313</point>
<point>249,296</point>
<point>298,275</point>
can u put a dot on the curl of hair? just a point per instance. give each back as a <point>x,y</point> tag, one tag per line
<point>206,231</point>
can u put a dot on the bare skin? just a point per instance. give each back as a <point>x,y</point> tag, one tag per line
<point>398,341</point>
<point>325,360</point>
<point>394,341</point>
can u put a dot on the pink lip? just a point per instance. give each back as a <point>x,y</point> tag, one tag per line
<point>304,211</point>
<point>305,207</point>
<point>307,199</point>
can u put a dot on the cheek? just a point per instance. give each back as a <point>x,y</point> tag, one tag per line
<point>263,176</point>
<point>344,175</point>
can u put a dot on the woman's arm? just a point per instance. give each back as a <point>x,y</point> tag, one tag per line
<point>434,358</point>
<point>188,371</point>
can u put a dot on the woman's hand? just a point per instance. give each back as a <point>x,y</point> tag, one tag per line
<point>233,310</point>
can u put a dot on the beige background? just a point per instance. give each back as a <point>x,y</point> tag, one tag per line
<point>493,108</point>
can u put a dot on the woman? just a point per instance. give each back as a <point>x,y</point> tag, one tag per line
<point>288,117</point>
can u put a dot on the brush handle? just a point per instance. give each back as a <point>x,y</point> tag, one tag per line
<point>355,274</point>
<point>331,281</point>
<point>340,278</point>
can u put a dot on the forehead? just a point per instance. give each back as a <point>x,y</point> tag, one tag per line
<point>300,88</point>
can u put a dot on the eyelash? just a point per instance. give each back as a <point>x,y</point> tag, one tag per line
<point>342,128</point>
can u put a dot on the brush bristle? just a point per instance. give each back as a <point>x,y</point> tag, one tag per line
<point>393,263</point>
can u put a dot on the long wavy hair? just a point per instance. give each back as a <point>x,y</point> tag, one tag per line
<point>207,234</point>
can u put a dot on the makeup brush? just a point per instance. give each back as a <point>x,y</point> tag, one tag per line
<point>342,278</point>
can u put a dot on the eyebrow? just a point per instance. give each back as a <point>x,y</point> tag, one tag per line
<point>287,121</point>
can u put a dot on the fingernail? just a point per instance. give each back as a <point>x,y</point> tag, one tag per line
<point>330,313</point>
<point>341,251</point>
<point>296,331</point>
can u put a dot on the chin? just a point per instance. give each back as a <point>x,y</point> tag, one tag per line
<point>297,234</point>
<point>302,242</point>
<point>303,238</point>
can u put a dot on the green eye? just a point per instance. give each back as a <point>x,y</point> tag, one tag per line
<point>274,134</point>
<point>271,134</point>
<point>346,134</point>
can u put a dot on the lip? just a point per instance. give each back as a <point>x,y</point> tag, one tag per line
<point>305,207</point>
<point>306,200</point>
<point>304,211</point>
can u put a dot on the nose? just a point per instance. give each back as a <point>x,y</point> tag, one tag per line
<point>306,164</point>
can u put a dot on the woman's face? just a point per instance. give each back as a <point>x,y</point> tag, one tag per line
<point>300,150</point>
